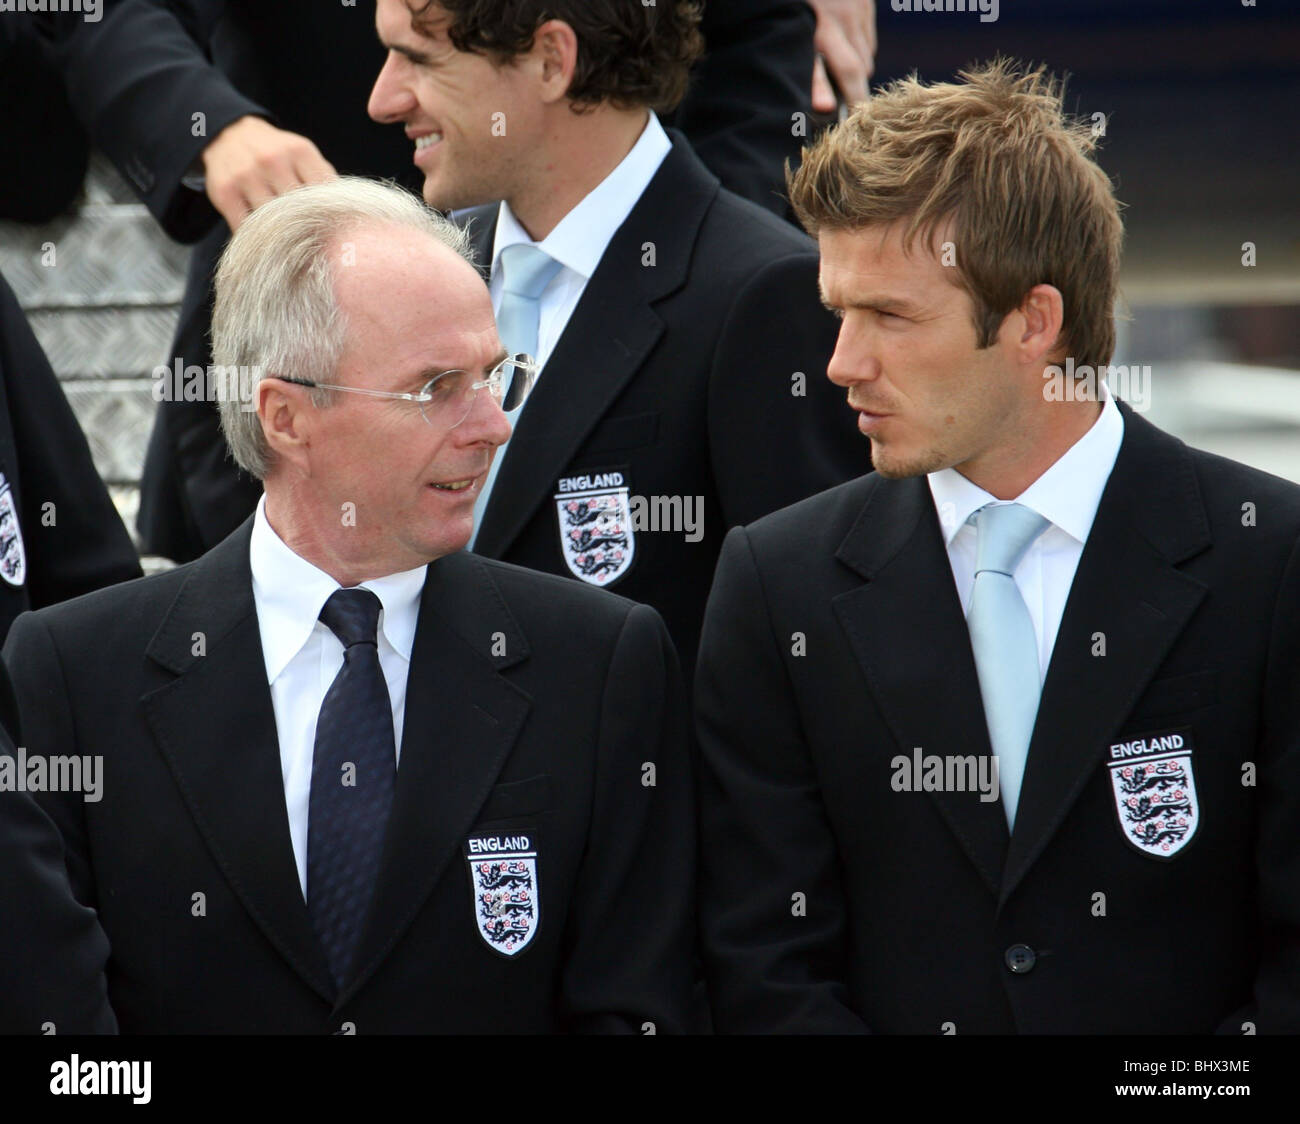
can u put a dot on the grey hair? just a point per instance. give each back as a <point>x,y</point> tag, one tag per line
<point>276,311</point>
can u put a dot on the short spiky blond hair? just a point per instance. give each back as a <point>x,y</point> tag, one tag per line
<point>994,156</point>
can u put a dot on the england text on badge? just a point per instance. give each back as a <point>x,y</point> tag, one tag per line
<point>595,526</point>
<point>13,559</point>
<point>1155,792</point>
<point>503,877</point>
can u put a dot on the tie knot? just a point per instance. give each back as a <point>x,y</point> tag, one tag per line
<point>353,616</point>
<point>1004,532</point>
<point>526,270</point>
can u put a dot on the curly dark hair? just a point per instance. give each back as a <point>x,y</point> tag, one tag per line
<point>629,53</point>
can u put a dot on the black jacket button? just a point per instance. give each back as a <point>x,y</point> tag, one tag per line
<point>1021,958</point>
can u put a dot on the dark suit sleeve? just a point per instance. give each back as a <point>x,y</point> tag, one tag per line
<point>38,131</point>
<point>80,543</point>
<point>775,963</point>
<point>1277,985</point>
<point>137,78</point>
<point>42,694</point>
<point>629,950</point>
<point>770,446</point>
<point>756,74</point>
<point>52,950</point>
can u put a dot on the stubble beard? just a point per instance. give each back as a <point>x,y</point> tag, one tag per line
<point>902,468</point>
<point>470,184</point>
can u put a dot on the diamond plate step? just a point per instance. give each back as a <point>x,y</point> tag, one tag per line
<point>104,309</point>
<point>116,415</point>
<point>109,255</point>
<point>105,343</point>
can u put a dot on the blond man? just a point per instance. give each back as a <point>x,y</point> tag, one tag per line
<point>353,778</point>
<point>1004,736</point>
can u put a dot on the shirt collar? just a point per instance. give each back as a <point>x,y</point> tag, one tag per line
<point>579,240</point>
<point>290,592</point>
<point>1067,494</point>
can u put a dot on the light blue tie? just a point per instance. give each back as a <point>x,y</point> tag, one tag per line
<point>525,273</point>
<point>1002,636</point>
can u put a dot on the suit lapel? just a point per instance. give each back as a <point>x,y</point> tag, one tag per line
<point>606,341</point>
<point>1128,590</point>
<point>462,719</point>
<point>909,635</point>
<point>215,727</point>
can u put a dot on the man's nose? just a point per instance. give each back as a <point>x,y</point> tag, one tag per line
<point>854,359</point>
<point>486,422</point>
<point>390,98</point>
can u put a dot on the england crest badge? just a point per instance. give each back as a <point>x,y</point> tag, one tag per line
<point>595,524</point>
<point>1155,792</point>
<point>503,877</point>
<point>13,558</point>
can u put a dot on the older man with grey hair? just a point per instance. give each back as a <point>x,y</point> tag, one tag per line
<point>354,778</point>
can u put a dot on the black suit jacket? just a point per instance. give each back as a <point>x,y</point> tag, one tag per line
<point>79,543</point>
<point>679,375</point>
<point>142,76</point>
<point>535,707</point>
<point>52,950</point>
<point>38,132</point>
<point>742,110</point>
<point>835,642</point>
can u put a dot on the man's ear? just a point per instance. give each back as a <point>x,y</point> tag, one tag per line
<point>1038,322</point>
<point>555,47</point>
<point>286,414</point>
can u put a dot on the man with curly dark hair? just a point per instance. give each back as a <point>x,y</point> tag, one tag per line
<point>677,329</point>
<point>631,54</point>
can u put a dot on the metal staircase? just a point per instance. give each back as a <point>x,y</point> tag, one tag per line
<point>102,290</point>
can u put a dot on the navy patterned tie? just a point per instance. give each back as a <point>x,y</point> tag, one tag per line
<point>352,775</point>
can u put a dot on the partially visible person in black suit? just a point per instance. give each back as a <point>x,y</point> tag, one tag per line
<point>749,97</point>
<point>677,329</point>
<point>210,107</point>
<point>60,534</point>
<point>1004,736</point>
<point>38,131</point>
<point>52,949</point>
<point>263,858</point>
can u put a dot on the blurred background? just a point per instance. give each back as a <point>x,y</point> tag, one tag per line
<point>1201,109</point>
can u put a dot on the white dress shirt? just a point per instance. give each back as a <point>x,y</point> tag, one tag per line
<point>580,239</point>
<point>1066,495</point>
<point>303,656</point>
